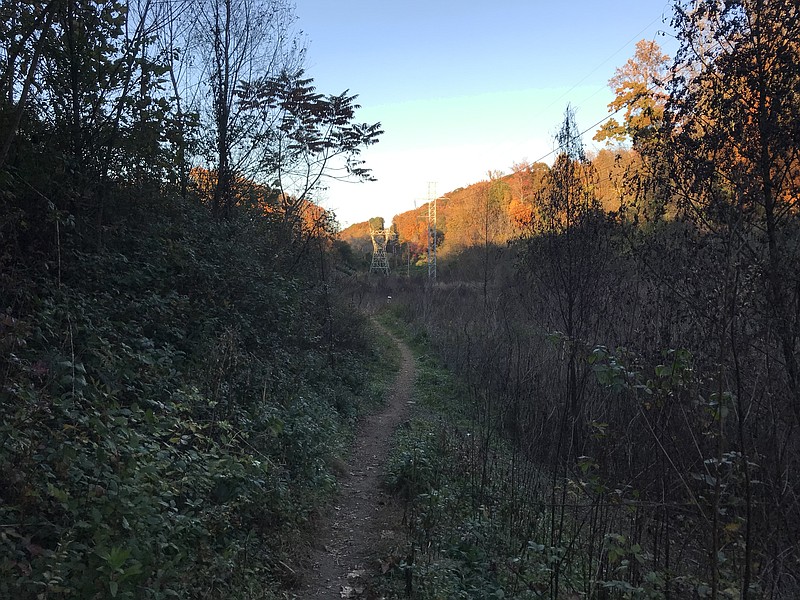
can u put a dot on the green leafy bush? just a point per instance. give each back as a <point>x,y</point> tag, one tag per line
<point>168,412</point>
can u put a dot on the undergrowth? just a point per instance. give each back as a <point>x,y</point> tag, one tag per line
<point>480,518</point>
<point>169,408</point>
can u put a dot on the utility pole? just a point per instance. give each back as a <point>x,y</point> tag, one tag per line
<point>431,230</point>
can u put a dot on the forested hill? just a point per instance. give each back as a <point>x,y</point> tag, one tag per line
<point>357,236</point>
<point>498,209</point>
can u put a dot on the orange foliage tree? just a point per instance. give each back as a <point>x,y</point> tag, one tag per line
<point>310,218</point>
<point>495,210</point>
<point>640,90</point>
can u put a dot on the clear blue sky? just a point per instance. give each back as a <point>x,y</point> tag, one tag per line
<point>464,87</point>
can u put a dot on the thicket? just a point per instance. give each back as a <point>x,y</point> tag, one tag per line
<point>171,405</point>
<point>644,362</point>
<point>177,375</point>
<point>479,513</point>
<point>650,459</point>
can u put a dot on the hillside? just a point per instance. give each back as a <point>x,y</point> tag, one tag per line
<point>497,210</point>
<point>358,237</point>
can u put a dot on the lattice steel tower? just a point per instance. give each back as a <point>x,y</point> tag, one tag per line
<point>380,262</point>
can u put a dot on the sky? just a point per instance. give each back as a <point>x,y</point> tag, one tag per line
<point>462,88</point>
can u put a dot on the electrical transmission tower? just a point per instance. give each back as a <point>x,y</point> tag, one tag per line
<point>380,262</point>
<point>431,230</point>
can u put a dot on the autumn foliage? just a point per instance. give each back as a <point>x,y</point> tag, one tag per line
<point>310,217</point>
<point>502,207</point>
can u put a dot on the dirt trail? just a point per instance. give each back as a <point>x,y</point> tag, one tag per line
<point>363,526</point>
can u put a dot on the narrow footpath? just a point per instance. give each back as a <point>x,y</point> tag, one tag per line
<point>364,525</point>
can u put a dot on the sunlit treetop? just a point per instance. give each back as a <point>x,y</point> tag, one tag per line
<point>639,86</point>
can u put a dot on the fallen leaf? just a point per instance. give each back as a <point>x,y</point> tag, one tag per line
<point>356,574</point>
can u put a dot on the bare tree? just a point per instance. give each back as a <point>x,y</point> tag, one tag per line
<point>239,42</point>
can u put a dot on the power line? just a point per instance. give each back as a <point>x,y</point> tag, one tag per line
<point>650,88</point>
<point>593,71</point>
<point>661,18</point>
